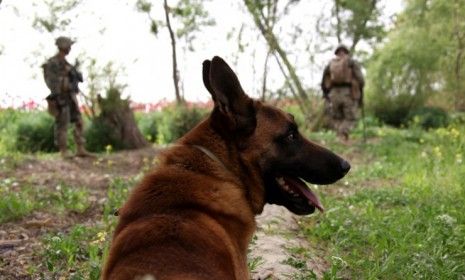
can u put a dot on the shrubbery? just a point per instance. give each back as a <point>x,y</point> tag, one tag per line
<point>176,121</point>
<point>393,110</point>
<point>34,133</point>
<point>429,117</point>
<point>99,136</point>
<point>160,127</point>
<point>8,123</point>
<point>148,124</point>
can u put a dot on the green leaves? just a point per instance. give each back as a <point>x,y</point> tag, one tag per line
<point>57,17</point>
<point>421,58</point>
<point>144,6</point>
<point>190,16</point>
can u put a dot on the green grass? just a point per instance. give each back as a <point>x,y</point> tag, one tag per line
<point>68,198</point>
<point>404,214</point>
<point>81,247</point>
<point>298,259</point>
<point>79,253</point>
<point>14,205</point>
<point>17,201</point>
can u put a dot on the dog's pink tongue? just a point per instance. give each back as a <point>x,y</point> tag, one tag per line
<point>302,189</point>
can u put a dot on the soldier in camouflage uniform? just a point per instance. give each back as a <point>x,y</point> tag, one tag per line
<point>60,77</point>
<point>343,95</point>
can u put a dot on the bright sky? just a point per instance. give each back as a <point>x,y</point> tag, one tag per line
<point>110,30</point>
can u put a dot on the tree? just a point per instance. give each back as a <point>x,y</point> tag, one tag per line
<point>358,20</point>
<point>264,14</point>
<point>421,60</point>
<point>189,15</point>
<point>449,30</point>
<point>100,79</point>
<point>57,17</point>
<point>117,118</point>
<point>353,21</point>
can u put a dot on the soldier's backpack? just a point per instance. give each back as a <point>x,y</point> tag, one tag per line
<point>340,71</point>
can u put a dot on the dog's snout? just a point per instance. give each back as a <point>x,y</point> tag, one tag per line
<point>345,166</point>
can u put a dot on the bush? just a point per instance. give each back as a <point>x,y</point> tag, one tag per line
<point>100,135</point>
<point>34,133</point>
<point>429,117</point>
<point>457,118</point>
<point>8,125</point>
<point>176,121</point>
<point>148,125</point>
<point>394,110</point>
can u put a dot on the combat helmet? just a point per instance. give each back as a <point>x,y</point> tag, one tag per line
<point>342,47</point>
<point>63,42</point>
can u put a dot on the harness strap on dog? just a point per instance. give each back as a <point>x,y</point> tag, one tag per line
<point>210,154</point>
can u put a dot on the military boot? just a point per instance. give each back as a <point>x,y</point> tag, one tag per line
<point>63,146</point>
<point>82,152</point>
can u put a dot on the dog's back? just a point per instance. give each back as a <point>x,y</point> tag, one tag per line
<point>183,219</point>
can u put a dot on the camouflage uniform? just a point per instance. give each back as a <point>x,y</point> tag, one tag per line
<point>57,77</point>
<point>341,100</point>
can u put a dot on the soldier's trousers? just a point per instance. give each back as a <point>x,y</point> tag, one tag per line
<point>343,110</point>
<point>66,116</point>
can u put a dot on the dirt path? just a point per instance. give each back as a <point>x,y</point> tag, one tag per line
<point>278,251</point>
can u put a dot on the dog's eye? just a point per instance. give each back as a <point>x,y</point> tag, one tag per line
<point>291,136</point>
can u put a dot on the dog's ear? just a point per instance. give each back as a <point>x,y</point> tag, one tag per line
<point>206,76</point>
<point>228,96</point>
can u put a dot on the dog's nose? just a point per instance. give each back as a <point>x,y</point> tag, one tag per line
<point>345,166</point>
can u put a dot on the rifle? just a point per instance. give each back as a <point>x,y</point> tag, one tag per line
<point>75,77</point>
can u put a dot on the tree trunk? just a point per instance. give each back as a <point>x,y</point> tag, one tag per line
<point>265,75</point>
<point>338,21</point>
<point>116,114</point>
<point>273,44</point>
<point>179,98</point>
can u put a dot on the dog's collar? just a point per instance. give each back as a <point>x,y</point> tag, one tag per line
<point>210,154</point>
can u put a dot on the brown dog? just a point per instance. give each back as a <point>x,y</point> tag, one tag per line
<point>193,216</point>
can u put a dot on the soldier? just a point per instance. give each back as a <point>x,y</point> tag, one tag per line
<point>62,79</point>
<point>342,86</point>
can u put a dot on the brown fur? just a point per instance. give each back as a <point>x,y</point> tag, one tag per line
<point>193,216</point>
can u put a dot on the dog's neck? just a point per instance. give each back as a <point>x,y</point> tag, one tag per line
<point>237,167</point>
<point>211,155</point>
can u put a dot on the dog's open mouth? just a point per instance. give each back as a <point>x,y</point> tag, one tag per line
<point>299,190</point>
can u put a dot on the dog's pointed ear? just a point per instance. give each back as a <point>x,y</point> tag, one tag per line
<point>206,76</point>
<point>229,97</point>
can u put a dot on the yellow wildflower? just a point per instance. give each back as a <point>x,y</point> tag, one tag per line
<point>458,158</point>
<point>108,149</point>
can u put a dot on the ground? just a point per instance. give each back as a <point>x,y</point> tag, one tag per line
<point>275,252</point>
<point>279,251</point>
<point>20,240</point>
